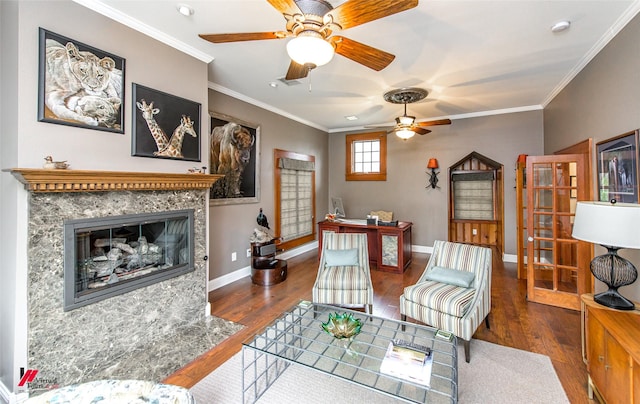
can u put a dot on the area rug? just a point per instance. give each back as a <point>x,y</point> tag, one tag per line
<point>496,374</point>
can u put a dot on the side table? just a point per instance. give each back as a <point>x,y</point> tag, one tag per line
<point>266,269</point>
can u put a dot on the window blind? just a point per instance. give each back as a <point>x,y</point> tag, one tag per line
<point>296,216</point>
<point>473,200</point>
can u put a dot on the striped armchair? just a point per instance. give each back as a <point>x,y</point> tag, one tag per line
<point>344,277</point>
<point>446,296</point>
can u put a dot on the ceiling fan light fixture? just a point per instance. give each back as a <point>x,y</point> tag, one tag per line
<point>406,120</point>
<point>314,50</point>
<point>405,134</point>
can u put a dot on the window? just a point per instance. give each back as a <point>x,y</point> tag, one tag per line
<point>295,198</point>
<point>474,196</point>
<point>366,157</point>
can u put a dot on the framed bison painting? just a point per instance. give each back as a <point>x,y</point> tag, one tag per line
<point>234,151</point>
<point>79,85</point>
<point>164,125</point>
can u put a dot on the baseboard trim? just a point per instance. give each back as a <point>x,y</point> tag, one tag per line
<point>229,278</point>
<point>246,271</point>
<point>8,397</point>
<point>4,393</point>
<point>510,258</point>
<point>421,249</point>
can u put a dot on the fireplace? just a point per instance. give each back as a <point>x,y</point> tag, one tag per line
<point>132,335</point>
<point>108,256</point>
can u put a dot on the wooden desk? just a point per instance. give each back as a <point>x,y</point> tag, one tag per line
<point>389,247</point>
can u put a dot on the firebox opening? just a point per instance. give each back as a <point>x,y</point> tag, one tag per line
<point>108,256</point>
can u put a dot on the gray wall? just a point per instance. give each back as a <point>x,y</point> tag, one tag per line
<point>499,137</point>
<point>601,102</point>
<point>25,141</point>
<point>231,225</point>
<point>8,189</point>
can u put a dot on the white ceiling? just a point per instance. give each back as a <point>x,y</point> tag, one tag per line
<point>474,57</point>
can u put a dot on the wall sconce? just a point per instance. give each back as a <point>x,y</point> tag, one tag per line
<point>433,179</point>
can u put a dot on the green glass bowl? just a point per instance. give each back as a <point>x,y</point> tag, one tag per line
<point>342,326</point>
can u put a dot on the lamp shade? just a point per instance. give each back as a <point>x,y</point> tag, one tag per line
<point>405,133</point>
<point>607,224</point>
<point>309,49</point>
<point>433,163</point>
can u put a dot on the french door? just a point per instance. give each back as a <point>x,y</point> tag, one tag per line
<point>557,264</point>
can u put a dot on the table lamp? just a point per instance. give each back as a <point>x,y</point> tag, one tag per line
<point>613,226</point>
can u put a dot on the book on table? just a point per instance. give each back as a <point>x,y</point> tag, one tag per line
<point>408,361</point>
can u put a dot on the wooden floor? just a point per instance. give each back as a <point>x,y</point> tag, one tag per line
<point>514,322</point>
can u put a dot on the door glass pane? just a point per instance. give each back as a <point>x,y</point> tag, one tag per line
<point>564,226</point>
<point>543,251</point>
<point>543,276</point>
<point>542,225</point>
<point>567,253</point>
<point>542,175</point>
<point>567,280</point>
<point>543,199</point>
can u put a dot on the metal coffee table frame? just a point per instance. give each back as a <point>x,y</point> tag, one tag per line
<point>298,338</point>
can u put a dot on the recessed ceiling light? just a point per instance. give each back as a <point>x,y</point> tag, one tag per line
<point>561,26</point>
<point>351,118</point>
<point>185,10</point>
<point>273,84</point>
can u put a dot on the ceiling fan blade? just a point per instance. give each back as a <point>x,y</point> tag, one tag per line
<point>434,123</point>
<point>356,12</point>
<point>421,131</point>
<point>296,71</point>
<point>246,36</point>
<point>366,55</point>
<point>285,6</point>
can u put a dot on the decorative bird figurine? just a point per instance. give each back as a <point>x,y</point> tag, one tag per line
<point>50,164</point>
<point>262,220</point>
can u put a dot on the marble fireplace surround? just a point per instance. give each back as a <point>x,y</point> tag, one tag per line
<point>147,333</point>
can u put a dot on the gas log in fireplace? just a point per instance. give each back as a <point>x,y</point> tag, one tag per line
<point>108,256</point>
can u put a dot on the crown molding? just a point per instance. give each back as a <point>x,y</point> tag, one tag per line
<point>617,26</point>
<point>513,110</point>
<point>139,26</point>
<point>249,100</point>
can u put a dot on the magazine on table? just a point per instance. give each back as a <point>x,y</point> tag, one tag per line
<point>408,361</point>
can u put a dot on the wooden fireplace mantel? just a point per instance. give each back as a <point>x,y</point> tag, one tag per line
<point>41,180</point>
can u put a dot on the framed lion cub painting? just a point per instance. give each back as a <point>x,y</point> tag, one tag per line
<point>79,85</point>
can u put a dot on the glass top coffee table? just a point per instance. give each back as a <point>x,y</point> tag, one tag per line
<point>297,338</point>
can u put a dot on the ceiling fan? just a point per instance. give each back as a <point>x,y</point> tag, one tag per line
<point>406,125</point>
<point>310,24</point>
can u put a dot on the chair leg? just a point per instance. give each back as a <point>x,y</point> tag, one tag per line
<point>486,322</point>
<point>368,308</point>
<point>467,348</point>
<point>403,317</point>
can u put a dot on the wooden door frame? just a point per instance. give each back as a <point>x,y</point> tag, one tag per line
<point>586,148</point>
<point>585,284</point>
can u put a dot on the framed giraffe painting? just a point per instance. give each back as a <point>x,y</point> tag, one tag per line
<point>164,125</point>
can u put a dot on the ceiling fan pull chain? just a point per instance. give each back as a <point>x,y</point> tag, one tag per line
<point>309,83</point>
